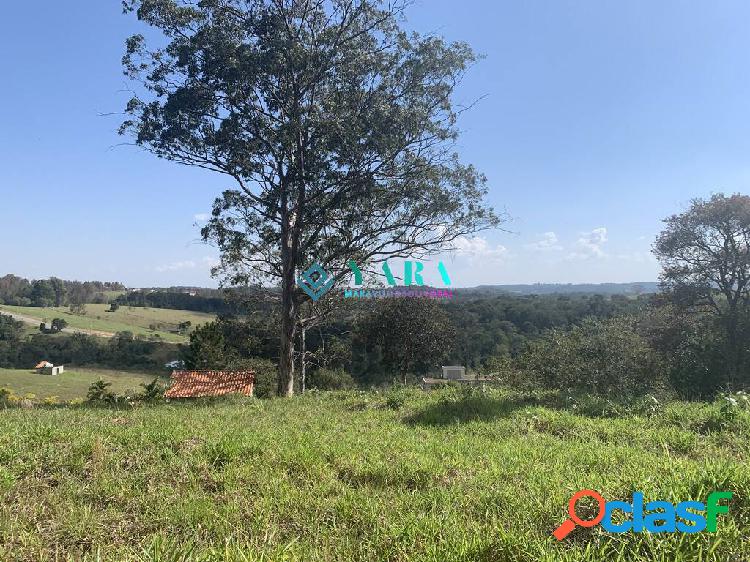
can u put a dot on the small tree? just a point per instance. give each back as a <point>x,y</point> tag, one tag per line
<point>58,325</point>
<point>413,334</point>
<point>705,255</point>
<point>78,309</point>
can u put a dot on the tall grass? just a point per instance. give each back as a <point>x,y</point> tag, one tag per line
<point>445,476</point>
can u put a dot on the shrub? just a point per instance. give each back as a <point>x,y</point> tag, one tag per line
<point>266,373</point>
<point>694,350</point>
<point>152,392</point>
<point>730,405</point>
<point>99,392</point>
<point>608,358</point>
<point>331,379</point>
<point>395,398</point>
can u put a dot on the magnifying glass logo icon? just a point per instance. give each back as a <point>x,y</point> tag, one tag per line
<point>569,524</point>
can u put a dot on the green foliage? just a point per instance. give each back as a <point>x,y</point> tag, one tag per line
<point>331,379</point>
<point>16,291</point>
<point>99,392</point>
<point>79,309</point>
<point>220,344</point>
<point>153,391</point>
<point>705,254</point>
<point>608,358</point>
<point>413,335</point>
<point>730,407</point>
<point>396,398</point>
<point>693,347</point>
<point>5,395</point>
<point>42,293</point>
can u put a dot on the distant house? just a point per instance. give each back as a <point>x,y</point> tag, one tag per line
<point>198,384</point>
<point>47,368</point>
<point>454,373</point>
<point>42,365</point>
<point>177,364</point>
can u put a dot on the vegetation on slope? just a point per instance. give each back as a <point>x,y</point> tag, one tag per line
<point>139,321</point>
<point>72,384</point>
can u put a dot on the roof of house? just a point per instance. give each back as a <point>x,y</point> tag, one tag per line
<point>44,364</point>
<point>195,384</point>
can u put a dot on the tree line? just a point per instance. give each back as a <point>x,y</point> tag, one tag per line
<point>123,351</point>
<point>17,291</point>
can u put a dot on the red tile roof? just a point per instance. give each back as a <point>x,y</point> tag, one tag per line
<point>194,384</point>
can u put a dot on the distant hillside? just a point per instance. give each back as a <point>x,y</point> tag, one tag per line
<point>636,288</point>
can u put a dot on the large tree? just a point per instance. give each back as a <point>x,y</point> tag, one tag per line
<point>705,254</point>
<point>335,126</point>
<point>413,334</point>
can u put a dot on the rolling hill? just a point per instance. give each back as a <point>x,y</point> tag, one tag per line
<point>99,322</point>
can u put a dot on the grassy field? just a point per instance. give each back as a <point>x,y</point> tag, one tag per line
<point>353,476</point>
<point>133,319</point>
<point>73,383</point>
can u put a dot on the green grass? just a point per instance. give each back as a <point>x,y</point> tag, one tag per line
<point>345,477</point>
<point>132,319</point>
<point>73,383</point>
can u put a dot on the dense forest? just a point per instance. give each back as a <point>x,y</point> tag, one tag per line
<point>480,328</point>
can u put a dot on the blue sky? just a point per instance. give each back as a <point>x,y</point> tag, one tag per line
<point>597,119</point>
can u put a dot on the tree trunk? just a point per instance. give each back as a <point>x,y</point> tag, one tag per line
<point>288,330</point>
<point>304,359</point>
<point>288,317</point>
<point>735,350</point>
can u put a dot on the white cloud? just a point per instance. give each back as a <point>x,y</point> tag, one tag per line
<point>589,245</point>
<point>202,217</point>
<point>477,247</point>
<point>177,266</point>
<point>207,261</point>
<point>638,257</point>
<point>547,243</point>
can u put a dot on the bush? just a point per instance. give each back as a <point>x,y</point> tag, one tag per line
<point>152,392</point>
<point>608,358</point>
<point>99,392</point>
<point>396,397</point>
<point>266,374</point>
<point>331,379</point>
<point>7,397</point>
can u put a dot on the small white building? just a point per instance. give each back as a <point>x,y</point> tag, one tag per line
<point>47,368</point>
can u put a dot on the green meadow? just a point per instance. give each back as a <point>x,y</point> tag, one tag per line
<point>400,476</point>
<point>72,384</point>
<point>137,320</point>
